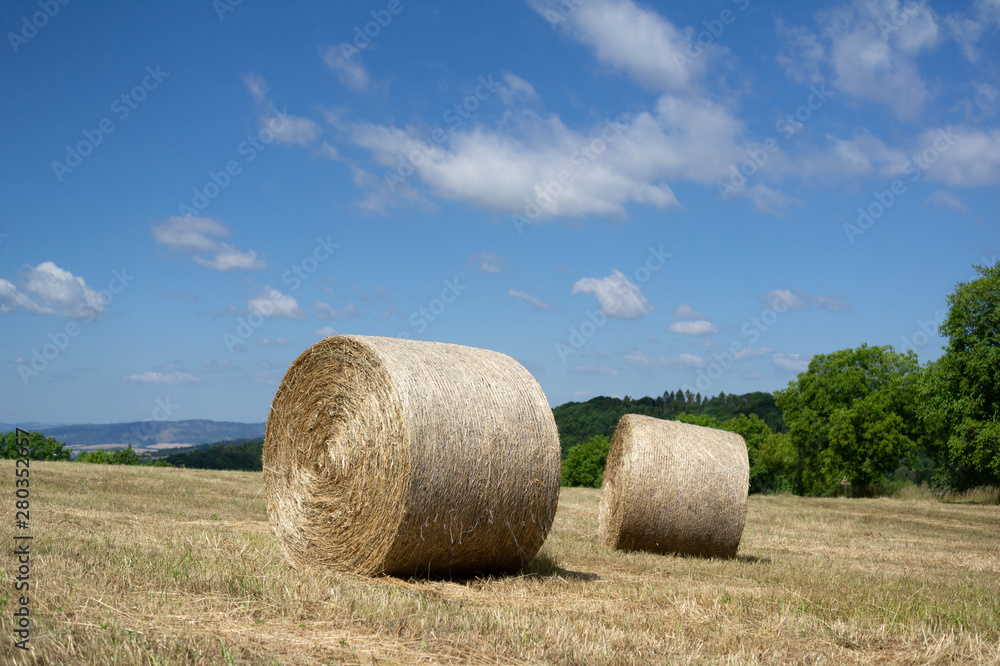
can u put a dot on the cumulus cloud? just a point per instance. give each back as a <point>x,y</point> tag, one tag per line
<point>636,357</point>
<point>790,362</point>
<point>784,299</point>
<point>195,236</point>
<point>540,169</point>
<point>286,127</point>
<point>699,327</point>
<point>536,304</point>
<point>687,312</point>
<point>48,289</point>
<point>325,332</point>
<point>751,352</point>
<point>635,40</point>
<point>788,299</point>
<point>326,311</point>
<point>971,160</point>
<point>273,303</point>
<point>13,299</point>
<point>872,47</point>
<point>618,297</point>
<point>152,377</point>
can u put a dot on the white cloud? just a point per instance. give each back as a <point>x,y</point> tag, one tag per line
<point>516,90</point>
<point>194,235</point>
<point>751,352</point>
<point>966,30</point>
<point>256,86</point>
<point>618,297</point>
<point>790,362</point>
<point>972,160</point>
<point>787,299</point>
<point>523,159</point>
<point>784,299</point>
<point>687,312</point>
<point>350,73</point>
<point>635,40</point>
<point>700,327</point>
<point>275,304</point>
<point>286,127</point>
<point>228,258</point>
<point>326,311</point>
<point>536,304</point>
<point>13,299</point>
<point>636,357</point>
<point>162,378</point>
<point>325,332</point>
<point>872,47</point>
<point>803,54</point>
<point>62,290</point>
<point>944,199</point>
<point>48,289</point>
<point>487,262</point>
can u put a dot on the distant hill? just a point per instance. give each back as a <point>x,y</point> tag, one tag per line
<point>150,434</point>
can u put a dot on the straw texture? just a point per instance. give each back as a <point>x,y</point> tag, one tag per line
<point>402,457</point>
<point>671,487</point>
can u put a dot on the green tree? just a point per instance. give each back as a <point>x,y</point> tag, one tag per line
<point>962,391</point>
<point>39,447</point>
<point>851,414</point>
<point>125,456</point>
<point>584,464</point>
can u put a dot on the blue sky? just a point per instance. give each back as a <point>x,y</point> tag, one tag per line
<point>626,197</point>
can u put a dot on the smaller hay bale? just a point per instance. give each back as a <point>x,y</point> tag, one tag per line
<point>672,487</point>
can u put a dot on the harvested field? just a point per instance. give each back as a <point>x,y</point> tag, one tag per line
<point>165,566</point>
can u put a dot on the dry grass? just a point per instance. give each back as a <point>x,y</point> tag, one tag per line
<point>166,566</point>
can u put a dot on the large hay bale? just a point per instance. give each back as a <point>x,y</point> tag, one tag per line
<point>394,456</point>
<point>671,487</point>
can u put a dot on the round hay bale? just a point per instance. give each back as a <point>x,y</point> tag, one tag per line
<point>671,487</point>
<point>391,456</point>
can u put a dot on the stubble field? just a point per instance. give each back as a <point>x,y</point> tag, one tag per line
<point>164,566</point>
